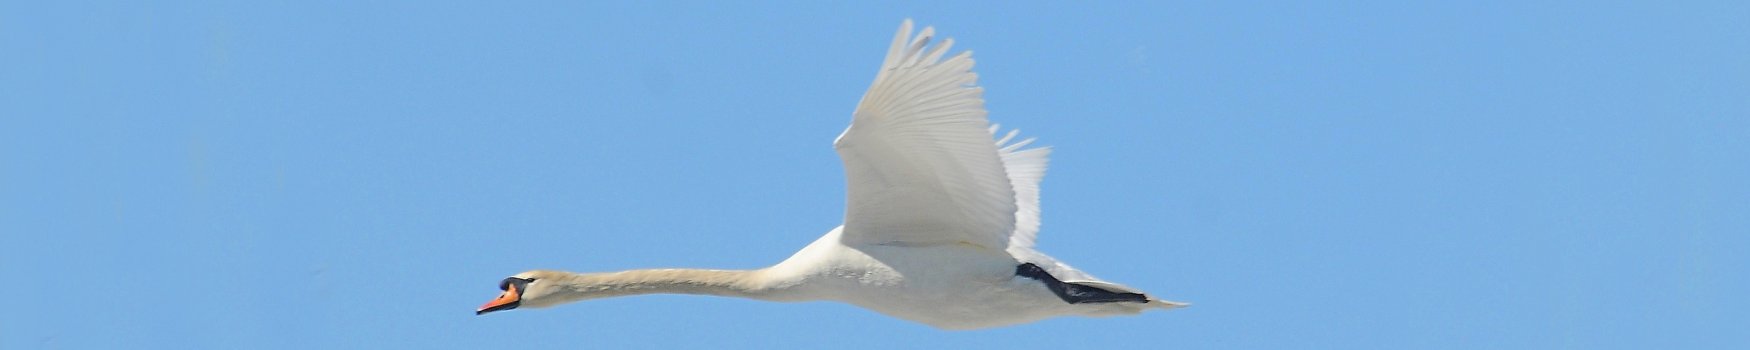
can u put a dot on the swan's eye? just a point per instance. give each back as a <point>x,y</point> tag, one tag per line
<point>505,284</point>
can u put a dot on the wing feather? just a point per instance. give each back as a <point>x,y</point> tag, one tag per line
<point>920,166</point>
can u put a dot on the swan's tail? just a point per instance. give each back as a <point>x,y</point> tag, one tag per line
<point>1166,304</point>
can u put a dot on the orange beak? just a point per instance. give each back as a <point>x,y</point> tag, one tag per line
<point>509,300</point>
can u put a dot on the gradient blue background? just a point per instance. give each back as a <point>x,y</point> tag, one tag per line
<point>308,175</point>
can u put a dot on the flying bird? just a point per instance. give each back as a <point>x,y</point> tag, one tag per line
<point>939,226</point>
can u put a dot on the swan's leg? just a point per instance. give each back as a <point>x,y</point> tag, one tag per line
<point>1076,293</point>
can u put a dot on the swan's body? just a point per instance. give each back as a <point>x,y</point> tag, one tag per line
<point>939,227</point>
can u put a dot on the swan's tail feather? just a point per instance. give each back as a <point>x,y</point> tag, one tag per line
<point>1166,304</point>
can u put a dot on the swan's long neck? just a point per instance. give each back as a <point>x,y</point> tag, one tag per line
<point>729,283</point>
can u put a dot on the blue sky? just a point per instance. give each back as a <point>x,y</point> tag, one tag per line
<point>301,175</point>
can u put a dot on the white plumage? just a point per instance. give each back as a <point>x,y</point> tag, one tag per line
<point>939,216</point>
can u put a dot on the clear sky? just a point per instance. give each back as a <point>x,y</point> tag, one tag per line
<point>308,175</point>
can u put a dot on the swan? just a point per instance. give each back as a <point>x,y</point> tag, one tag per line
<point>939,222</point>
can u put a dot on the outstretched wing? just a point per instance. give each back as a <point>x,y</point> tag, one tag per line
<point>920,165</point>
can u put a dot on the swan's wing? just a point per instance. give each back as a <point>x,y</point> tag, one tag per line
<point>919,161</point>
<point>1025,166</point>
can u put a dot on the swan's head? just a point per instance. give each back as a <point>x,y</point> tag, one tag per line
<point>523,289</point>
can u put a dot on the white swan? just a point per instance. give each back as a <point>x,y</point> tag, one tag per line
<point>939,226</point>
